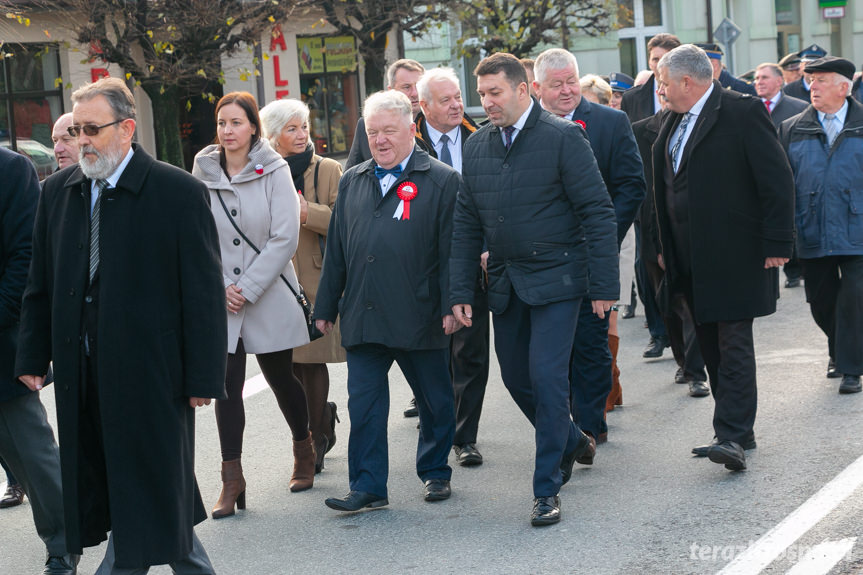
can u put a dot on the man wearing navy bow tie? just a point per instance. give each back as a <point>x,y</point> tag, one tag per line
<point>387,275</point>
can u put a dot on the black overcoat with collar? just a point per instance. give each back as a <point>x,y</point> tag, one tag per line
<point>162,338</point>
<point>787,107</point>
<point>19,194</point>
<point>543,210</point>
<point>646,131</point>
<point>638,101</point>
<point>386,278</point>
<point>740,207</point>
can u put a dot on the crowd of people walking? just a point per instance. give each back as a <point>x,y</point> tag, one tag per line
<point>138,289</point>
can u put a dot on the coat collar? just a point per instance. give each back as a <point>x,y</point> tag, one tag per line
<point>420,162</point>
<point>132,178</point>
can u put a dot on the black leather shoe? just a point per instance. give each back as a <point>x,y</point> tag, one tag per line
<point>436,490</point>
<point>628,312</point>
<point>14,496</point>
<point>356,500</point>
<point>586,458</point>
<point>698,389</point>
<point>546,511</point>
<point>61,565</point>
<point>411,410</point>
<point>568,460</point>
<point>655,347</point>
<point>729,454</point>
<point>680,376</point>
<point>831,370</point>
<point>701,450</point>
<point>850,384</point>
<point>792,282</point>
<point>467,455</point>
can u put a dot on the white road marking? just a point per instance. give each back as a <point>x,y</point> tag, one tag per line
<point>761,553</point>
<point>254,385</point>
<point>823,557</point>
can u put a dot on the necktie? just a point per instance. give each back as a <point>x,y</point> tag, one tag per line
<point>508,132</point>
<point>445,155</point>
<point>830,129</point>
<point>675,151</point>
<point>767,104</point>
<point>381,173</point>
<point>101,186</point>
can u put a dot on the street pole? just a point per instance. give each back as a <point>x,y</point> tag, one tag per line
<point>709,22</point>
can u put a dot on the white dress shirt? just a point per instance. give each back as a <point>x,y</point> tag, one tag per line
<point>454,144</point>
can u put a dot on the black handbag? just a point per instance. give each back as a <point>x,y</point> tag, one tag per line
<point>314,332</point>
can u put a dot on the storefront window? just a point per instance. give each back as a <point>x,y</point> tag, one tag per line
<point>330,87</point>
<point>30,102</point>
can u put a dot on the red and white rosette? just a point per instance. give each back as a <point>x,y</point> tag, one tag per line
<point>406,192</point>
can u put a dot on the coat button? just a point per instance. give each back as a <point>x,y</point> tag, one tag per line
<point>370,259</point>
<point>500,218</point>
<point>506,165</point>
<point>68,340</point>
<point>233,212</point>
<point>72,292</point>
<point>65,388</point>
<point>377,213</point>
<point>80,246</point>
<point>370,305</point>
<point>88,299</point>
<point>237,271</point>
<point>236,241</point>
<point>508,262</point>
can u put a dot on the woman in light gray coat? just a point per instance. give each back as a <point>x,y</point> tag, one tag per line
<point>251,187</point>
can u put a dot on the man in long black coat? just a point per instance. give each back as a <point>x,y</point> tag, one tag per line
<point>26,440</point>
<point>386,275</point>
<point>722,242</point>
<point>135,326</point>
<point>533,192</point>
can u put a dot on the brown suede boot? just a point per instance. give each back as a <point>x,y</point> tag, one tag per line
<point>233,490</point>
<point>304,465</point>
<point>616,395</point>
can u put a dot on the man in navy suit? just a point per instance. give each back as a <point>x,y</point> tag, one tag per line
<point>616,153</point>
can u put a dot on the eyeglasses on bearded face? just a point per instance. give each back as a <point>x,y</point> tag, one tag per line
<point>89,129</point>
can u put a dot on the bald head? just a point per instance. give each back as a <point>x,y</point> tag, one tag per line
<point>65,145</point>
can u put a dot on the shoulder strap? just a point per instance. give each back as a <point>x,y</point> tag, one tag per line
<point>248,241</point>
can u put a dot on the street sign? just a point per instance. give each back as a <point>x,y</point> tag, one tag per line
<point>727,32</point>
<point>835,12</point>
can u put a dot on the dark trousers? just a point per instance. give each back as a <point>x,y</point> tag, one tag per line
<point>10,477</point>
<point>681,330</point>
<point>369,404</point>
<point>469,355</point>
<point>590,370</point>
<point>534,345</point>
<point>28,446</point>
<point>834,290</point>
<point>793,268</point>
<point>646,290</point>
<point>195,563</point>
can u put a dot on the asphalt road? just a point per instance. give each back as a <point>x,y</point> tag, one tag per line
<point>646,506</point>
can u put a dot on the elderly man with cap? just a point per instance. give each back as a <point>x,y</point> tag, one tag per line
<point>791,68</point>
<point>714,52</point>
<point>619,83</point>
<point>824,145</point>
<point>800,88</point>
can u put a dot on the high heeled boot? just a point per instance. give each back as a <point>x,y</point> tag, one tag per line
<point>304,465</point>
<point>233,490</point>
<point>615,397</point>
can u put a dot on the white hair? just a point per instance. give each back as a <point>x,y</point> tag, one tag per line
<point>435,75</point>
<point>553,59</point>
<point>849,85</point>
<point>388,101</point>
<point>276,115</point>
<point>687,60</point>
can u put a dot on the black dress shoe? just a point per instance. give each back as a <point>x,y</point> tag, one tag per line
<point>628,312</point>
<point>467,455</point>
<point>792,282</point>
<point>698,389</point>
<point>831,370</point>
<point>655,347</point>
<point>546,511</point>
<point>680,376</point>
<point>850,384</point>
<point>586,458</point>
<point>568,460</point>
<point>729,454</point>
<point>701,450</point>
<point>436,490</point>
<point>61,565</point>
<point>14,496</point>
<point>356,500</point>
<point>411,410</point>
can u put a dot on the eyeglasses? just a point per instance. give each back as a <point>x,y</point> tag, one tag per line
<point>89,129</point>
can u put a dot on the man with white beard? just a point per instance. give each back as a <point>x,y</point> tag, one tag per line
<point>125,296</point>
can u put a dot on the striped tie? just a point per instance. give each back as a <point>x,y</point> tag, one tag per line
<point>675,151</point>
<point>101,185</point>
<point>830,129</point>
